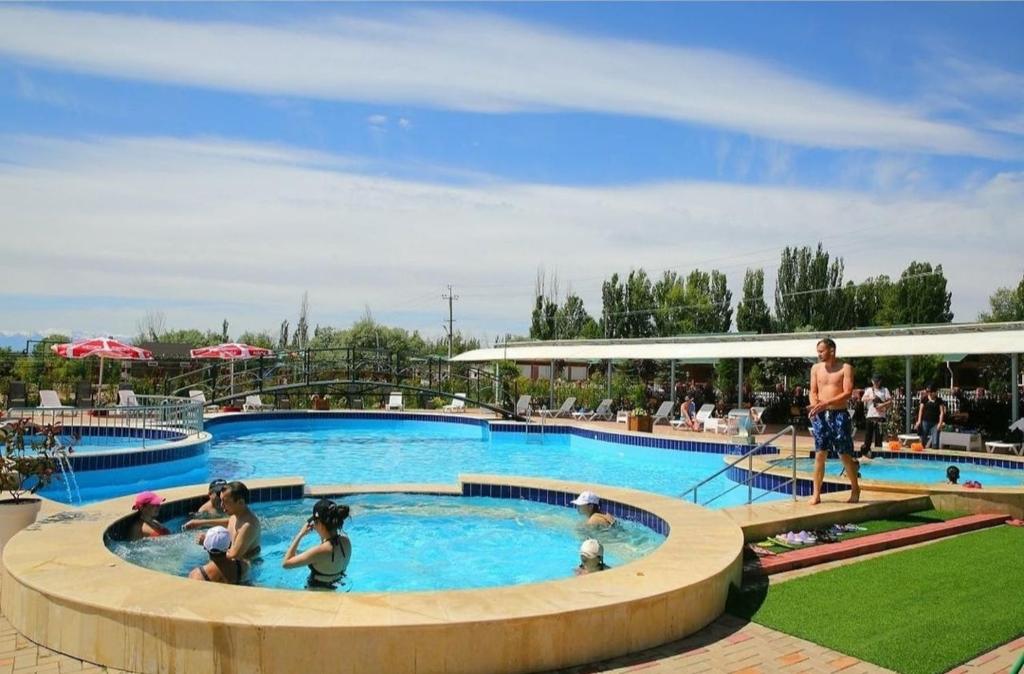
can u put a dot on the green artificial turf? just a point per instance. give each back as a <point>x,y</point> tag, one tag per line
<point>889,524</point>
<point>919,611</point>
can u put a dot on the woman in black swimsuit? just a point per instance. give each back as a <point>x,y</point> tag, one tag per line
<point>328,560</point>
<point>220,569</point>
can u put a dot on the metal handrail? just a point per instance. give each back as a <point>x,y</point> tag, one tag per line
<point>748,456</point>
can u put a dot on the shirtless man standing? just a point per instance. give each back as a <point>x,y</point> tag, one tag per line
<point>831,387</point>
<point>243,525</point>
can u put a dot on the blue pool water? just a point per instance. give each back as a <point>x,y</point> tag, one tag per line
<point>105,443</point>
<point>916,471</point>
<point>335,450</point>
<point>406,542</point>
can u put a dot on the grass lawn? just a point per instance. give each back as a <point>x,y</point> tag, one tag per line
<point>898,522</point>
<point>919,611</point>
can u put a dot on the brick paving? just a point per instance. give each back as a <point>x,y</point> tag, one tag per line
<point>729,645</point>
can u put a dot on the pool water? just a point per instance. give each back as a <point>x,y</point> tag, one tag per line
<point>409,542</point>
<point>364,451</point>
<point>103,443</point>
<point>917,471</point>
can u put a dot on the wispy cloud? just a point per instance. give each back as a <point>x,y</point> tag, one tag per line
<point>30,90</point>
<point>176,225</point>
<point>486,64</point>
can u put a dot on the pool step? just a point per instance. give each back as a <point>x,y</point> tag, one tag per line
<point>855,547</point>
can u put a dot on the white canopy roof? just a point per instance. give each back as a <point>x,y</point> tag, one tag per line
<point>959,339</point>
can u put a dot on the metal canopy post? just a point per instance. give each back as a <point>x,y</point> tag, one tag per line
<point>907,395</point>
<point>739,387</point>
<point>551,395</point>
<point>609,377</point>
<point>672,383</point>
<point>1014,390</point>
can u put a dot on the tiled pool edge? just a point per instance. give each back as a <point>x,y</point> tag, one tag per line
<point>63,592</point>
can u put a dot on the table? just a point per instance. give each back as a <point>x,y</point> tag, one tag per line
<point>907,439</point>
<point>968,441</point>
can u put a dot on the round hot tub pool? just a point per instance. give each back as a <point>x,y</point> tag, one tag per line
<point>407,542</point>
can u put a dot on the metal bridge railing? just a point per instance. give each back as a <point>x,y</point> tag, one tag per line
<point>146,421</point>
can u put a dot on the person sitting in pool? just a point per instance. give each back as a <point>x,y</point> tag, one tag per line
<point>589,505</point>
<point>220,569</point>
<point>211,513</point>
<point>591,557</point>
<point>243,525</point>
<point>953,474</point>
<point>144,523</point>
<point>328,560</point>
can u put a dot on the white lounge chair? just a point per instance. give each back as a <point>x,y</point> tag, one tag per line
<point>127,398</point>
<point>254,403</point>
<point>523,406</point>
<point>396,401</point>
<point>603,411</point>
<point>564,411</point>
<point>755,416</point>
<point>48,399</point>
<point>200,397</point>
<point>700,418</point>
<point>458,404</point>
<point>622,417</point>
<point>664,413</point>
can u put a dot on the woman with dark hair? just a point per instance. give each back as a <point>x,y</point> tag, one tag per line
<point>328,560</point>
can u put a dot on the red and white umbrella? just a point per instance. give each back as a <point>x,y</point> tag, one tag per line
<point>231,351</point>
<point>103,348</point>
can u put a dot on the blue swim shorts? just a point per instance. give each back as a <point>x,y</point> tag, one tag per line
<point>832,432</point>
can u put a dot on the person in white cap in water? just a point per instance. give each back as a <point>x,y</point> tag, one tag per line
<point>591,557</point>
<point>589,505</point>
<point>220,569</point>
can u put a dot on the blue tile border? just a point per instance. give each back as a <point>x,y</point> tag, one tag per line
<point>84,462</point>
<point>990,461</point>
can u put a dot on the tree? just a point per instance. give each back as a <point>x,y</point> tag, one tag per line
<point>262,339</point>
<point>809,292</point>
<point>669,295</point>
<point>301,337</point>
<point>752,313</point>
<point>151,326</point>
<point>639,305</point>
<point>224,331</point>
<point>282,336</point>
<point>1005,304</point>
<point>708,303</point>
<point>920,296</point>
<point>572,318</point>
<point>873,302</point>
<point>613,308</point>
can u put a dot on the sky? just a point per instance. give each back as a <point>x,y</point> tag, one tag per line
<point>216,161</point>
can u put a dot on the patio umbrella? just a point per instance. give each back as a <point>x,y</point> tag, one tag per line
<point>231,351</point>
<point>103,348</point>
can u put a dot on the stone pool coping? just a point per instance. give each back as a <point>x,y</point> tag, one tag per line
<point>64,589</point>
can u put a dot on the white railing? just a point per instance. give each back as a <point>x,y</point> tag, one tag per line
<point>156,419</point>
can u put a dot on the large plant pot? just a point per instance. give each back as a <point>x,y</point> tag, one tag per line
<point>15,516</point>
<point>644,424</point>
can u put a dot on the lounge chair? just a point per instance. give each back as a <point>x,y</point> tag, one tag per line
<point>664,413</point>
<point>458,404</point>
<point>622,417</point>
<point>49,400</point>
<point>396,401</point>
<point>685,421</point>
<point>127,398</point>
<point>603,411</point>
<point>17,394</point>
<point>523,406</point>
<point>756,414</point>
<point>84,395</point>
<point>200,397</point>
<point>254,403</point>
<point>700,418</point>
<point>564,411</point>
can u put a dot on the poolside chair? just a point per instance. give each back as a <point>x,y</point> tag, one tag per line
<point>200,397</point>
<point>458,404</point>
<point>83,395</point>
<point>48,399</point>
<point>664,413</point>
<point>703,415</point>
<point>254,403</point>
<point>564,411</point>
<point>127,398</point>
<point>755,416</point>
<point>396,401</point>
<point>603,411</point>
<point>523,406</point>
<point>685,421</point>
<point>622,417</point>
<point>17,394</point>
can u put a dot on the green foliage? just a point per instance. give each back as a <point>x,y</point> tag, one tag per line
<point>27,467</point>
<point>572,320</point>
<point>639,308</point>
<point>809,292</point>
<point>752,314</point>
<point>1005,304</point>
<point>874,302</point>
<point>920,296</point>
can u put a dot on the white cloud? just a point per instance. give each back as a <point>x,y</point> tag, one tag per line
<point>486,64</point>
<point>377,120</point>
<point>404,123</point>
<point>207,230</point>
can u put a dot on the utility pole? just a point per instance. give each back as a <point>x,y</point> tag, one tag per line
<point>451,297</point>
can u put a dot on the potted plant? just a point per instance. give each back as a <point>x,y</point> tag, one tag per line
<point>25,468</point>
<point>639,420</point>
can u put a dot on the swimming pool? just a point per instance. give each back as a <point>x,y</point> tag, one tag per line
<point>410,542</point>
<point>920,471</point>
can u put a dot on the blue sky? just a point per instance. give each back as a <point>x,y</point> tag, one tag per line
<point>218,160</point>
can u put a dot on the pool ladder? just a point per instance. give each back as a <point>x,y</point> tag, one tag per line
<point>751,475</point>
